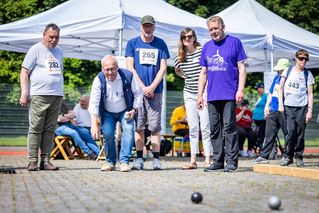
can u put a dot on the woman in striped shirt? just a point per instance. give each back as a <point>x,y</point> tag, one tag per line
<point>188,68</point>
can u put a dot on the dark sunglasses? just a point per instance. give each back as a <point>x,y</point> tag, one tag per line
<point>303,58</point>
<point>188,37</point>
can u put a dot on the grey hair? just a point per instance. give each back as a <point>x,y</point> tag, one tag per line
<point>109,57</point>
<point>52,26</point>
<point>215,19</point>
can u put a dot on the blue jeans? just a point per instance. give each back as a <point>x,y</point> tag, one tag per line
<point>71,130</point>
<point>127,140</point>
<point>86,136</point>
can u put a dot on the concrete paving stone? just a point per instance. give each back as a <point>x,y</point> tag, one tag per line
<point>80,186</point>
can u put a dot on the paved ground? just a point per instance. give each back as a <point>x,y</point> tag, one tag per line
<point>80,186</point>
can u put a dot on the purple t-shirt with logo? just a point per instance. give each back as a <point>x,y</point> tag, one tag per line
<point>220,59</point>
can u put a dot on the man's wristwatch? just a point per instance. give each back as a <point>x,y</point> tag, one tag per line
<point>135,109</point>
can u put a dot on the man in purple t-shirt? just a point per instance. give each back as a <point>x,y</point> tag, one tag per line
<point>223,69</point>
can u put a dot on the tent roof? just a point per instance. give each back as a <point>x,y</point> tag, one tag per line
<point>92,29</point>
<point>259,29</point>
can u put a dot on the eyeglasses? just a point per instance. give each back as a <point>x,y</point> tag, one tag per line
<point>188,37</point>
<point>111,69</point>
<point>303,58</point>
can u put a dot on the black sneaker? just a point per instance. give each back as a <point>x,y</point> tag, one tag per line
<point>230,168</point>
<point>213,167</point>
<point>300,163</point>
<point>286,161</point>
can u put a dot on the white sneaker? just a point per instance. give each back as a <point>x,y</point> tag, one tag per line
<point>157,164</point>
<point>125,167</point>
<point>107,167</point>
<point>243,153</point>
<point>138,164</point>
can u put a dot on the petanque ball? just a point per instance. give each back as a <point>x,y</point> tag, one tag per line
<point>274,203</point>
<point>197,197</point>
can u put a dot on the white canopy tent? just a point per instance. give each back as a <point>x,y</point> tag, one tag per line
<point>266,36</point>
<point>92,29</point>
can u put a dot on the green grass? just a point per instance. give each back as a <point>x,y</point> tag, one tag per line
<point>22,141</point>
<point>13,140</point>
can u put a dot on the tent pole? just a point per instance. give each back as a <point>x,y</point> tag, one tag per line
<point>266,60</point>
<point>271,53</point>
<point>163,117</point>
<point>120,41</point>
<point>271,59</point>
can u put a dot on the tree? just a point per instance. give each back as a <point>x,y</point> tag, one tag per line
<point>77,72</point>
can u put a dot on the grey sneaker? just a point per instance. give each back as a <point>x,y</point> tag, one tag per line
<point>300,163</point>
<point>261,160</point>
<point>138,164</point>
<point>286,161</point>
<point>230,168</point>
<point>157,164</point>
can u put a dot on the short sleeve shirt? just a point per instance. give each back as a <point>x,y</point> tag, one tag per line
<point>246,120</point>
<point>45,66</point>
<point>221,60</point>
<point>295,88</point>
<point>191,68</point>
<point>147,58</point>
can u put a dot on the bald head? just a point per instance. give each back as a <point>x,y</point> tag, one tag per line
<point>84,101</point>
<point>110,59</point>
<point>109,67</point>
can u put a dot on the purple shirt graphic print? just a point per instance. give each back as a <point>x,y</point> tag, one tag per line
<point>220,59</point>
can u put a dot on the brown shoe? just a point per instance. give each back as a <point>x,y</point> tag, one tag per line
<point>190,166</point>
<point>48,166</point>
<point>33,166</point>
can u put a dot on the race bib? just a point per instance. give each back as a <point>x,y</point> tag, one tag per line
<point>292,87</point>
<point>148,56</point>
<point>53,66</point>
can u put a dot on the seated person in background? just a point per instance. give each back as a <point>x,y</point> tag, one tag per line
<point>83,122</point>
<point>244,130</point>
<point>179,121</point>
<point>66,128</point>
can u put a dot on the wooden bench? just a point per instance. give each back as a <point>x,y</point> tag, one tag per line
<point>67,147</point>
<point>62,146</point>
<point>101,155</point>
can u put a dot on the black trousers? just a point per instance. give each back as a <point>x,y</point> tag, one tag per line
<point>261,124</point>
<point>274,121</point>
<point>296,125</point>
<point>182,132</point>
<point>244,133</point>
<point>222,118</point>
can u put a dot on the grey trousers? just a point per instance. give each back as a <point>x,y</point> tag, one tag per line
<point>43,115</point>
